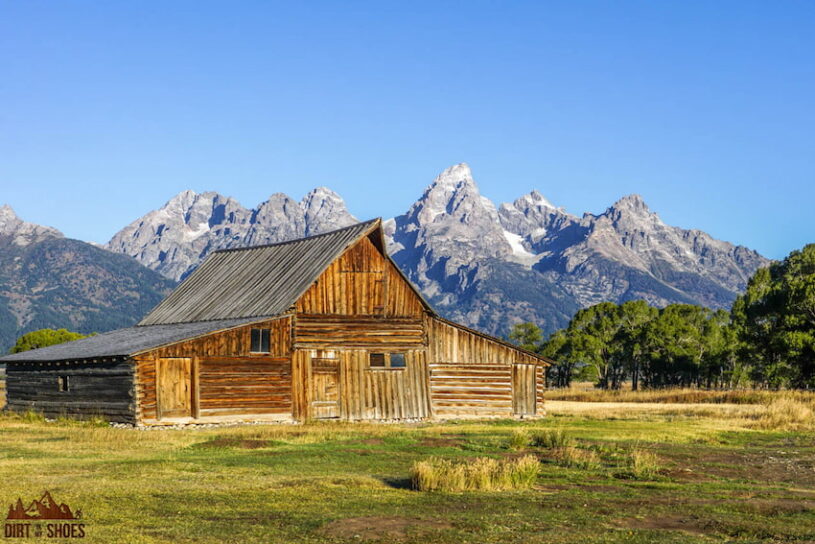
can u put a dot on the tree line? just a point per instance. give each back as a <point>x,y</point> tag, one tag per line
<point>766,340</point>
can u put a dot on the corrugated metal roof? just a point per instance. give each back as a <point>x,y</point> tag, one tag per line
<point>257,281</point>
<point>124,342</point>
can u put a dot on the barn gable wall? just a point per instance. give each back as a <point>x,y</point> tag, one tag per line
<point>361,282</point>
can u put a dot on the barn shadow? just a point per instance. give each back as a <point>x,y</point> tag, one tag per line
<point>398,483</point>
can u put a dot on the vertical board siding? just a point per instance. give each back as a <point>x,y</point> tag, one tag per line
<point>94,389</point>
<point>233,344</point>
<point>361,282</point>
<point>389,394</point>
<point>524,390</point>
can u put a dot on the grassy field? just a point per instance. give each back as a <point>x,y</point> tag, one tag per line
<point>609,472</point>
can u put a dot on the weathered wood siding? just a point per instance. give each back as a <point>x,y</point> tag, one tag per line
<point>524,390</point>
<point>362,283</point>
<point>364,393</point>
<point>344,332</point>
<point>393,393</point>
<point>473,376</point>
<point>219,386</point>
<point>94,389</point>
<point>471,390</point>
<point>244,385</point>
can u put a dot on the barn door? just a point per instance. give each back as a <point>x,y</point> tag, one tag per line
<point>325,384</point>
<point>174,387</point>
<point>523,390</point>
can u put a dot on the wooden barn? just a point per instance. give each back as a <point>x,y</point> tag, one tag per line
<point>324,327</point>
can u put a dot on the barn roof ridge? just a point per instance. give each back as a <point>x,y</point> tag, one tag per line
<point>295,240</point>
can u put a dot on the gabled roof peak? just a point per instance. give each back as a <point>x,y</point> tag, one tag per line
<point>262,280</point>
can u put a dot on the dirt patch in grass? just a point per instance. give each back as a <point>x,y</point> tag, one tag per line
<point>598,488</point>
<point>669,523</point>
<point>378,528</point>
<point>441,442</point>
<point>372,442</point>
<point>245,444</point>
<point>765,466</point>
<point>775,507</point>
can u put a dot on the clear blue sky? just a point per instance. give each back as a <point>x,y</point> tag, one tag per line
<point>707,109</point>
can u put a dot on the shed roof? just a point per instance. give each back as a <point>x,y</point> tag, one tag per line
<point>125,342</point>
<point>258,281</point>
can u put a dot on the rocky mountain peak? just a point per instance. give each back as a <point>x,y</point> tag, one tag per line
<point>455,175</point>
<point>534,198</point>
<point>453,197</point>
<point>628,214</point>
<point>323,208</point>
<point>22,232</point>
<point>174,239</point>
<point>633,203</point>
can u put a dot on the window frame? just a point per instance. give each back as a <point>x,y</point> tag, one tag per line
<point>387,361</point>
<point>63,384</point>
<point>263,334</point>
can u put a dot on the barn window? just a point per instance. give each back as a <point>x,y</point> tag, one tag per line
<point>62,383</point>
<point>386,360</point>
<point>377,360</point>
<point>398,360</point>
<point>260,341</point>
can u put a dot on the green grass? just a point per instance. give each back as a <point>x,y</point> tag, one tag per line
<point>667,477</point>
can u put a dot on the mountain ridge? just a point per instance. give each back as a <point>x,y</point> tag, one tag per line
<point>50,281</point>
<point>469,256</point>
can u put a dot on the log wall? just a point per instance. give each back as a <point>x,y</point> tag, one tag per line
<point>313,331</point>
<point>207,352</point>
<point>94,389</point>
<point>244,385</point>
<point>472,375</point>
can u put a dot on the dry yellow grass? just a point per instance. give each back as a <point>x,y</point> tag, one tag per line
<point>616,410</point>
<point>786,413</point>
<point>570,456</point>
<point>480,474</point>
<point>586,392</point>
<point>644,464</point>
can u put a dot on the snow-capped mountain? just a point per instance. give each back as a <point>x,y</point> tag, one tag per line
<point>175,239</point>
<point>484,265</point>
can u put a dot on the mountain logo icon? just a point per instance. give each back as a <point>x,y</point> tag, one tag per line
<point>44,508</point>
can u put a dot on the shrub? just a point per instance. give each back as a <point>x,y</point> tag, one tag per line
<point>643,464</point>
<point>787,413</point>
<point>480,474</point>
<point>518,440</point>
<point>569,456</point>
<point>551,438</point>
